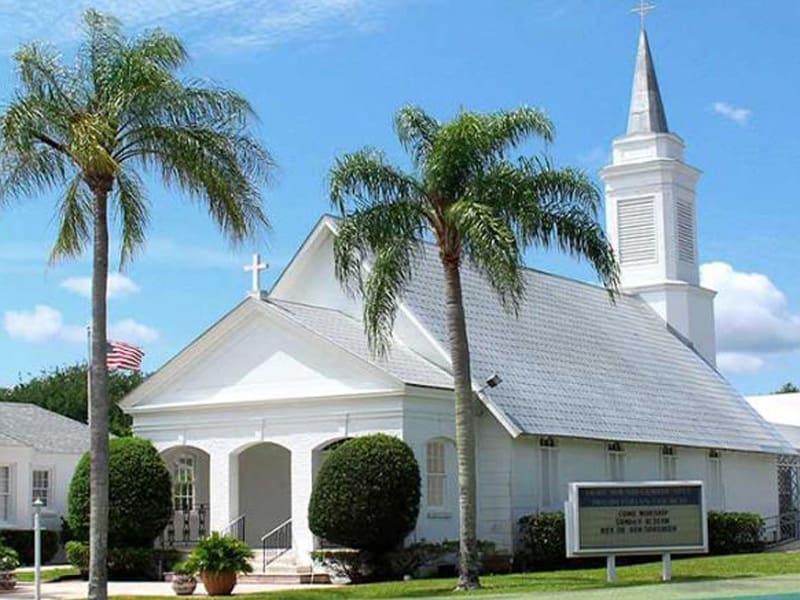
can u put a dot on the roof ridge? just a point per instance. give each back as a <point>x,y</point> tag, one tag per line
<point>306,304</point>
<point>376,361</point>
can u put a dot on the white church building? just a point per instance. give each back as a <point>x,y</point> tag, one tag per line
<point>588,389</point>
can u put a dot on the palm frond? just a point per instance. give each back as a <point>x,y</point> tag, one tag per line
<point>470,144</point>
<point>389,236</point>
<point>549,207</point>
<point>132,210</point>
<point>577,233</point>
<point>74,221</point>
<point>43,76</point>
<point>416,131</point>
<point>364,178</point>
<point>221,170</point>
<point>491,246</point>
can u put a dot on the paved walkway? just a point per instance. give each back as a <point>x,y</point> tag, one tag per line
<point>784,587</point>
<point>74,590</point>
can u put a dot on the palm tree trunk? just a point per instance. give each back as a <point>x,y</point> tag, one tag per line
<point>468,567</point>
<point>98,409</point>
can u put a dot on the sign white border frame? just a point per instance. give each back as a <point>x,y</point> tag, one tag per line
<point>573,525</point>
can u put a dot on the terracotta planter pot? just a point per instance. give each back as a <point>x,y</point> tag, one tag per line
<point>8,580</point>
<point>218,584</point>
<point>183,585</point>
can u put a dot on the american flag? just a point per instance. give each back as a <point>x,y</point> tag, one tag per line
<point>120,355</point>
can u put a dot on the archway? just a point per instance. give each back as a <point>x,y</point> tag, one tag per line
<point>189,468</point>
<point>265,489</point>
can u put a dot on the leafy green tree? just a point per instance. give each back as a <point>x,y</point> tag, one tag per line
<point>787,388</point>
<point>63,390</point>
<point>88,131</point>
<point>479,207</point>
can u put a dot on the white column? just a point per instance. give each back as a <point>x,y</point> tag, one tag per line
<point>223,488</point>
<point>302,480</point>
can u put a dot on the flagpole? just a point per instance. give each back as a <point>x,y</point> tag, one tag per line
<point>89,374</point>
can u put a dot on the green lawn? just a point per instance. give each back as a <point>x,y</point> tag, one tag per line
<point>48,574</point>
<point>693,569</point>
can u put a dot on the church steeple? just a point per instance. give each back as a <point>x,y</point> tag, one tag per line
<point>651,216</point>
<point>647,109</point>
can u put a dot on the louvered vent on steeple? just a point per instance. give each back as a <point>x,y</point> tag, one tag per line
<point>684,231</point>
<point>637,230</point>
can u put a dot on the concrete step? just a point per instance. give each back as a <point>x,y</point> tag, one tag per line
<point>785,546</point>
<point>285,578</point>
<point>282,570</point>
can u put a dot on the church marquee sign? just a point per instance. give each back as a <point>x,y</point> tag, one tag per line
<point>636,518</point>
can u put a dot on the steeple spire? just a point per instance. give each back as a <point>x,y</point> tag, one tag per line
<point>647,110</point>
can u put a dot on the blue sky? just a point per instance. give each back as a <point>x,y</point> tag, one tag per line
<point>326,76</point>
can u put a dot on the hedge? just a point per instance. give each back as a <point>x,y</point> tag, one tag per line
<point>360,566</point>
<point>140,495</point>
<point>21,540</point>
<point>735,532</point>
<point>129,563</point>
<point>366,495</point>
<point>540,542</point>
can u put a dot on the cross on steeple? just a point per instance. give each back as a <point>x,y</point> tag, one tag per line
<point>643,9</point>
<point>255,268</point>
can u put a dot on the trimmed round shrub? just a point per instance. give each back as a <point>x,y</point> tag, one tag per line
<point>366,495</point>
<point>140,495</point>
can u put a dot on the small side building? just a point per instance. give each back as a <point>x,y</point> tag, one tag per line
<point>783,412</point>
<point>39,450</point>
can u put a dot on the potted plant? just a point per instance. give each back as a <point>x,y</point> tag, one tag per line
<point>218,559</point>
<point>183,579</point>
<point>9,561</point>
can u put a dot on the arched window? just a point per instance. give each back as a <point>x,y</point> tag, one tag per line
<point>436,462</point>
<point>184,482</point>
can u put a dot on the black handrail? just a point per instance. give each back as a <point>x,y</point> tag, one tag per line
<point>278,541</point>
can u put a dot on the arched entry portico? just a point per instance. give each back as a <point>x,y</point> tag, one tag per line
<point>264,489</point>
<point>189,469</point>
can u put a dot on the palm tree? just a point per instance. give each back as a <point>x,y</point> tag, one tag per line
<point>88,131</point>
<point>479,207</point>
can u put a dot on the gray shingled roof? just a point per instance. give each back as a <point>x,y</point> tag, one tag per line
<point>573,364</point>
<point>348,333</point>
<point>46,431</point>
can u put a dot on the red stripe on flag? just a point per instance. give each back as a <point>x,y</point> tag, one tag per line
<point>120,355</point>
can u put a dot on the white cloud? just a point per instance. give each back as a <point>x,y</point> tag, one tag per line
<point>37,325</point>
<point>740,116</point>
<point>118,286</point>
<point>217,24</point>
<point>740,363</point>
<point>128,330</point>
<point>45,323</point>
<point>753,318</point>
